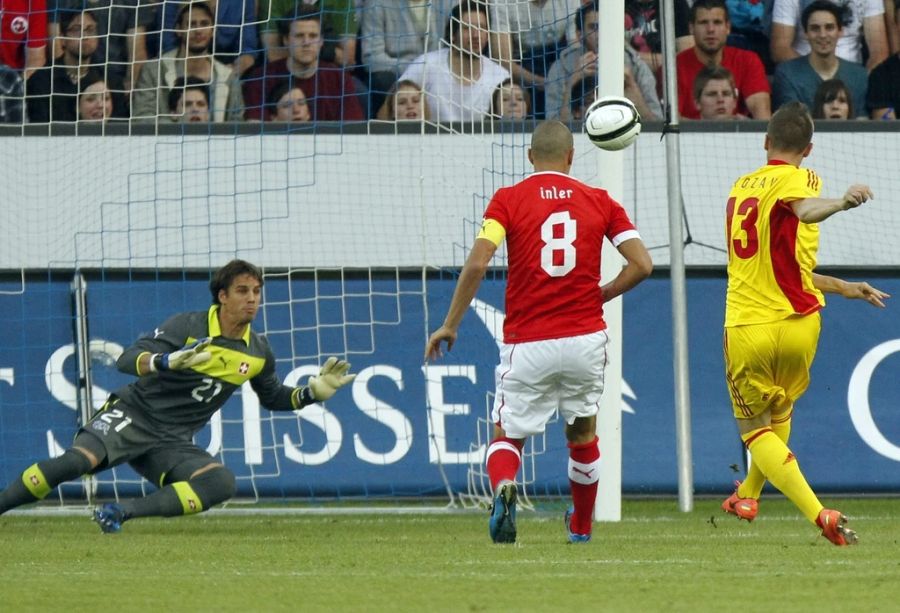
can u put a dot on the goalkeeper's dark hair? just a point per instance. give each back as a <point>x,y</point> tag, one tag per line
<point>300,12</point>
<point>225,276</point>
<point>790,128</point>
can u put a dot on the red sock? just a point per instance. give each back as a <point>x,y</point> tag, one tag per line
<point>503,458</point>
<point>584,473</point>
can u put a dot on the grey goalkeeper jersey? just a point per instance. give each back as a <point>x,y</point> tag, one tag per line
<point>185,400</point>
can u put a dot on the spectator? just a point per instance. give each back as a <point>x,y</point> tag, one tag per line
<point>751,22</point>
<point>883,93</point>
<point>643,30</point>
<point>95,103</point>
<point>863,25</point>
<point>405,102</point>
<point>194,58</point>
<point>340,27</point>
<point>330,90</point>
<point>528,37</point>
<point>892,25</point>
<point>458,80</point>
<point>236,41</point>
<point>23,35</point>
<point>189,101</point>
<point>510,101</point>
<point>580,60</point>
<point>798,79</point>
<point>122,29</point>
<point>53,91</point>
<point>394,33</point>
<point>710,26</point>
<point>581,97</point>
<point>715,94</point>
<point>290,104</point>
<point>833,100</point>
<point>12,96</point>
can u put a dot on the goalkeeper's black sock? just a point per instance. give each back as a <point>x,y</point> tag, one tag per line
<point>184,497</point>
<point>39,479</point>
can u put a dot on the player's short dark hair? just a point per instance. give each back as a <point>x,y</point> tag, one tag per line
<point>183,84</point>
<point>225,276</point>
<point>590,6</point>
<point>828,91</point>
<point>551,140</point>
<point>708,5</point>
<point>300,12</point>
<point>790,128</point>
<point>822,6</point>
<point>454,22</point>
<point>711,73</point>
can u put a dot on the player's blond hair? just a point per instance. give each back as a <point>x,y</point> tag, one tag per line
<point>551,140</point>
<point>790,128</point>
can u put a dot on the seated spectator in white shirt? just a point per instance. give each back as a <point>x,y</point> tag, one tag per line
<point>458,79</point>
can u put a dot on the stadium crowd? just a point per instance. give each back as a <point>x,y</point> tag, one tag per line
<point>162,61</point>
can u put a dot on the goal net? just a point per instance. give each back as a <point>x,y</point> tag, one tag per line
<point>361,228</point>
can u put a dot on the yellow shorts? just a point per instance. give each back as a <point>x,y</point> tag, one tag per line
<point>767,365</point>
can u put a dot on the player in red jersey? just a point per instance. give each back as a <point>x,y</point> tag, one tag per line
<point>23,34</point>
<point>554,347</point>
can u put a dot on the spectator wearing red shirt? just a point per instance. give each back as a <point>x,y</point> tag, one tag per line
<point>23,34</point>
<point>328,88</point>
<point>710,27</point>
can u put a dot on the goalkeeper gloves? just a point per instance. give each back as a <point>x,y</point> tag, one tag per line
<point>188,356</point>
<point>332,376</point>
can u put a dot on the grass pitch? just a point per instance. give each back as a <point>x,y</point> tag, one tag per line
<point>655,559</point>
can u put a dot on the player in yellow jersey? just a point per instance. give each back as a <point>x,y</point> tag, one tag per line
<point>772,308</point>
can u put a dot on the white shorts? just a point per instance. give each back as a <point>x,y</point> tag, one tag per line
<point>535,379</point>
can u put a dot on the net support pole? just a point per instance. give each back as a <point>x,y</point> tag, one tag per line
<point>85,384</point>
<point>676,267</point>
<point>610,172</point>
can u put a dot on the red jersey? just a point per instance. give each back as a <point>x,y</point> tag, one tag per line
<point>749,78</point>
<point>22,22</point>
<point>554,233</point>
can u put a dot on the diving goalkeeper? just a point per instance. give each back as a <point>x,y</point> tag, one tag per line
<point>187,369</point>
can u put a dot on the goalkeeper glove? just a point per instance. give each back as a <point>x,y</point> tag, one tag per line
<point>332,376</point>
<point>187,357</point>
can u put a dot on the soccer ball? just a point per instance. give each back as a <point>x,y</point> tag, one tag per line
<point>612,122</point>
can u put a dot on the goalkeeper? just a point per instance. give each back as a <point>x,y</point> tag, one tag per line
<point>187,369</point>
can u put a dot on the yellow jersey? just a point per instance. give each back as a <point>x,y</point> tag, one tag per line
<point>771,254</point>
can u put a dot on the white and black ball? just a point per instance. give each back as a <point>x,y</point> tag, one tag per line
<point>612,122</point>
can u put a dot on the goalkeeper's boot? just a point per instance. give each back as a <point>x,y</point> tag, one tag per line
<point>574,537</point>
<point>743,508</point>
<point>110,518</point>
<point>833,528</point>
<point>502,524</point>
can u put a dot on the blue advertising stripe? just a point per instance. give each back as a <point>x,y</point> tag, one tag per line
<point>384,440</point>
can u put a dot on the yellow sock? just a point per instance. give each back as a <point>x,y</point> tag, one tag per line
<point>776,462</point>
<point>752,485</point>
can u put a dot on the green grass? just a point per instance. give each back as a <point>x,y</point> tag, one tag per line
<point>655,559</point>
